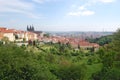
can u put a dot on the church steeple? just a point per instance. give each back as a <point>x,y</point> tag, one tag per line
<point>27,28</point>
<point>30,28</point>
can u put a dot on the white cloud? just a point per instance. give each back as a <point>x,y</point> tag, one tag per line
<point>82,13</point>
<point>83,9</point>
<point>17,6</point>
<point>107,1</point>
<point>87,13</point>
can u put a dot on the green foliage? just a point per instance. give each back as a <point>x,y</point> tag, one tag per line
<point>107,58</point>
<point>19,63</point>
<point>16,64</point>
<point>110,57</point>
<point>116,44</point>
<point>24,39</point>
<point>56,61</point>
<point>112,74</point>
<point>1,43</point>
<point>102,40</point>
<point>90,61</point>
<point>71,72</point>
<point>101,53</point>
<point>46,35</point>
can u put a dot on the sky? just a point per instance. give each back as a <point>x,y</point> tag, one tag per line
<point>61,15</point>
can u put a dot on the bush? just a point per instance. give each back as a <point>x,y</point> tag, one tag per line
<point>71,72</point>
<point>112,74</point>
<point>90,61</point>
<point>1,42</point>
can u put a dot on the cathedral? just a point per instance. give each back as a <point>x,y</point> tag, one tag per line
<point>30,28</point>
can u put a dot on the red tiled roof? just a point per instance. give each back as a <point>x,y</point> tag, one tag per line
<point>84,43</point>
<point>8,31</point>
<point>19,31</point>
<point>2,28</point>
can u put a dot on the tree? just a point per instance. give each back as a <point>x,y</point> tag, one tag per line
<point>108,60</point>
<point>102,40</point>
<point>101,53</point>
<point>24,39</point>
<point>17,64</point>
<point>116,41</point>
<point>110,57</point>
<point>116,44</point>
<point>71,72</point>
<point>90,61</point>
<point>46,35</point>
<point>1,43</point>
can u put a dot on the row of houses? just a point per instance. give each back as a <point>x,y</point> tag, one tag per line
<point>74,42</point>
<point>17,35</point>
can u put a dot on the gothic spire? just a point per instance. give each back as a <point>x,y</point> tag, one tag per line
<point>27,28</point>
<point>30,29</point>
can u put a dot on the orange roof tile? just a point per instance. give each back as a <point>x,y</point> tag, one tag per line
<point>8,31</point>
<point>2,28</point>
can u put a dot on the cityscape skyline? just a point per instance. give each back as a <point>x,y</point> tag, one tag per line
<point>61,15</point>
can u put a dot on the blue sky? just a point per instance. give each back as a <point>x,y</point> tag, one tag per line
<point>61,15</point>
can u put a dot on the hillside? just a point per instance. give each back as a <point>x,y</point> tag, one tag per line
<point>55,61</point>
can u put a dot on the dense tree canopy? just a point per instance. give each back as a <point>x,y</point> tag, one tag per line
<point>110,57</point>
<point>102,40</point>
<point>16,64</point>
<point>19,63</point>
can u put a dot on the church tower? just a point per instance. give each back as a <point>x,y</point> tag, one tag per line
<point>30,28</point>
<point>27,28</point>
